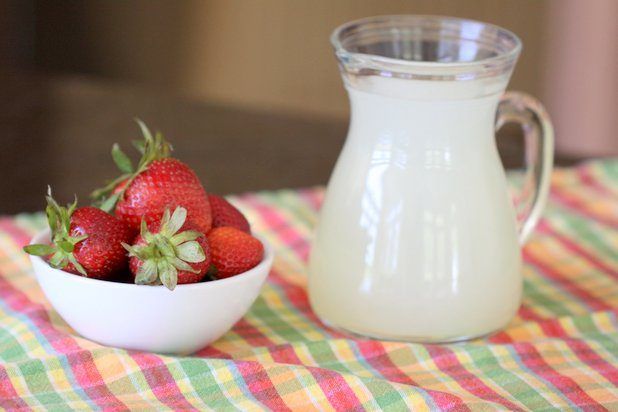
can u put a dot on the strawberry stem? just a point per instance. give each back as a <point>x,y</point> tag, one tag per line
<point>151,148</point>
<point>167,251</point>
<point>62,243</point>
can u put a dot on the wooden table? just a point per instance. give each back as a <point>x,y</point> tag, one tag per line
<point>59,130</point>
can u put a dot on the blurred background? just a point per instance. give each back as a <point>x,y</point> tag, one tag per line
<point>248,91</point>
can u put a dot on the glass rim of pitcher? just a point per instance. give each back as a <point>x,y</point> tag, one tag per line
<point>507,47</point>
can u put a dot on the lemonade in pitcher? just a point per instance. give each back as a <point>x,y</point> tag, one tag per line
<point>418,239</point>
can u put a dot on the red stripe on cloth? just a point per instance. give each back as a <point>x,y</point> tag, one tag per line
<point>550,327</point>
<point>447,362</point>
<point>161,381</point>
<point>567,200</point>
<point>19,235</point>
<point>285,354</point>
<point>500,338</point>
<point>593,182</point>
<point>582,350</point>
<point>296,295</point>
<point>247,332</point>
<point>16,300</point>
<point>211,352</point>
<point>313,197</point>
<point>567,386</point>
<point>294,241</point>
<point>587,355</point>
<point>91,381</point>
<point>551,273</point>
<point>526,313</point>
<point>553,329</point>
<point>64,344</point>
<point>337,391</point>
<point>280,226</point>
<point>9,399</point>
<point>251,334</point>
<point>269,214</point>
<point>376,355</point>
<point>260,385</point>
<point>577,249</point>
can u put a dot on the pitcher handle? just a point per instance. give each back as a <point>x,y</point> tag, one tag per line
<point>516,107</point>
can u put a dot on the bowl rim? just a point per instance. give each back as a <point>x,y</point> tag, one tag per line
<point>263,266</point>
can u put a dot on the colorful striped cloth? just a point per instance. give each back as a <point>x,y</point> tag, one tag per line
<point>561,352</point>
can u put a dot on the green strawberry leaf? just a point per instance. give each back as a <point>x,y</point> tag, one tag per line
<point>52,219</point>
<point>147,274</point>
<point>171,225</point>
<point>182,265</point>
<point>139,145</point>
<point>164,247</point>
<point>165,218</point>
<point>163,148</point>
<point>185,236</point>
<point>58,260</point>
<point>143,228</point>
<point>77,265</point>
<point>145,130</point>
<point>121,159</point>
<point>109,203</point>
<point>65,245</point>
<point>167,274</point>
<point>72,206</point>
<point>109,187</point>
<point>39,250</point>
<point>75,240</point>
<point>190,252</point>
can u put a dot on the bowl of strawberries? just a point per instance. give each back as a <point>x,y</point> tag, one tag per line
<point>156,263</point>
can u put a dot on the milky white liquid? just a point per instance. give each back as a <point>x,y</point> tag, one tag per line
<point>417,237</point>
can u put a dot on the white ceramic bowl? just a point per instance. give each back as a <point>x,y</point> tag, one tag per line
<point>150,318</point>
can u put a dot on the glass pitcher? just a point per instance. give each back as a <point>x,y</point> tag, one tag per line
<point>418,239</point>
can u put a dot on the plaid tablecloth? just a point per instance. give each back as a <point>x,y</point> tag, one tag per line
<point>560,352</point>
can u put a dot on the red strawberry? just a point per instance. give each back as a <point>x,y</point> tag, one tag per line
<point>170,252</point>
<point>86,241</point>
<point>158,183</point>
<point>225,214</point>
<point>234,251</point>
<point>165,184</point>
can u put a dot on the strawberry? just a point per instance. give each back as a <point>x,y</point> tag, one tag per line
<point>169,252</point>
<point>233,251</point>
<point>225,214</point>
<point>85,240</point>
<point>166,183</point>
<point>158,183</point>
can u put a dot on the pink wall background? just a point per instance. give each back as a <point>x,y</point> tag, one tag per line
<point>582,97</point>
